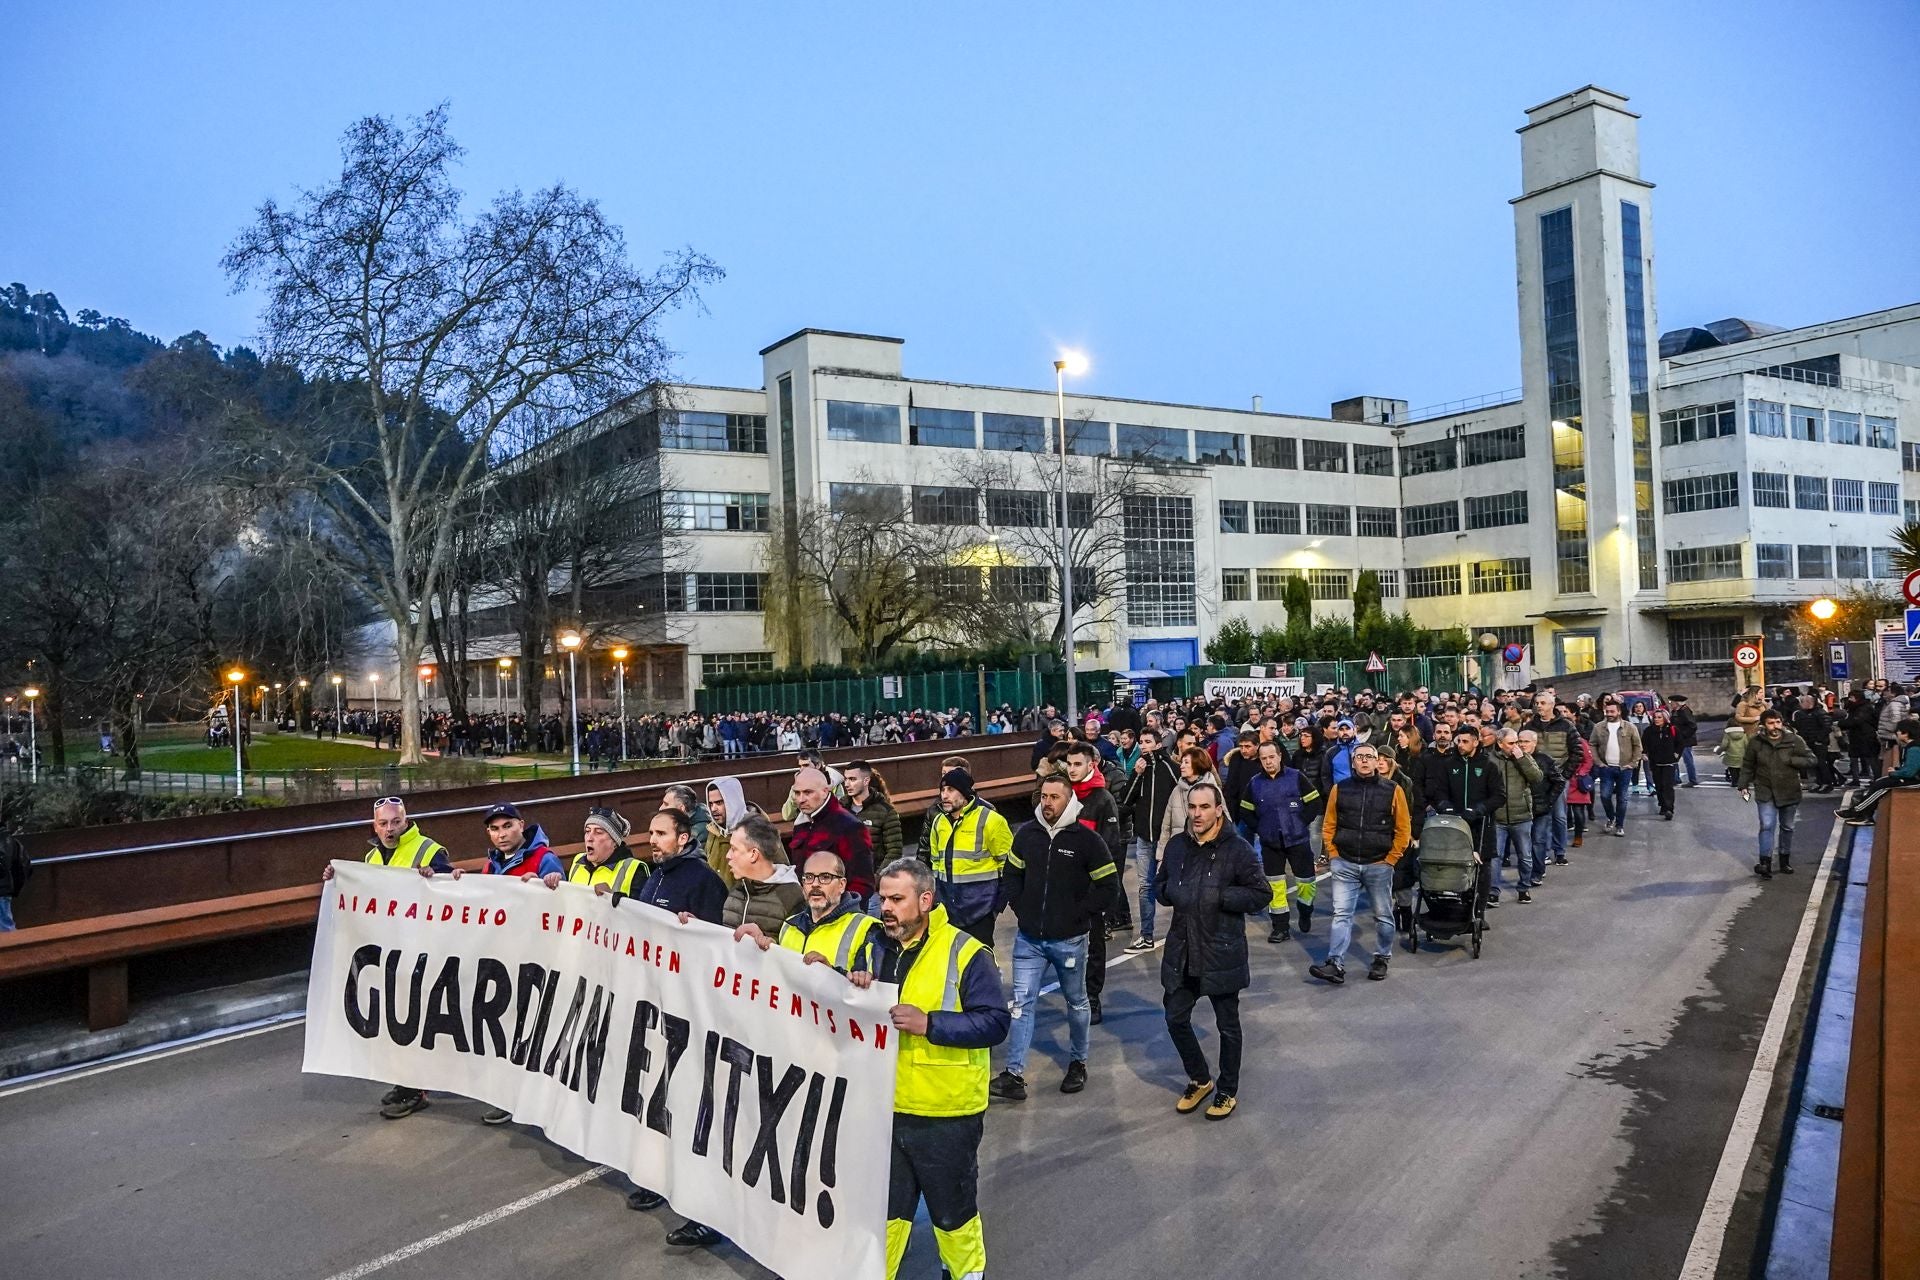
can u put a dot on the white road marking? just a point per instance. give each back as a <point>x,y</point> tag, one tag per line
<point>152,1053</point>
<point>488,1218</point>
<point>1710,1235</point>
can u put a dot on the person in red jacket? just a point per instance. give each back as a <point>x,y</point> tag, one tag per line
<point>821,824</point>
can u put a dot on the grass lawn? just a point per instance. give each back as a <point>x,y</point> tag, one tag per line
<point>268,752</point>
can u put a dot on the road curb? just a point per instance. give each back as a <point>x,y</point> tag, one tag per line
<point>28,1054</point>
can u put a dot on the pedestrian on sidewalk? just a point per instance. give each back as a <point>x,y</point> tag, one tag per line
<point>1859,811</point>
<point>1520,773</point>
<point>1212,880</point>
<point>1769,775</point>
<point>1148,793</point>
<point>1367,830</point>
<point>1689,735</point>
<point>1279,800</point>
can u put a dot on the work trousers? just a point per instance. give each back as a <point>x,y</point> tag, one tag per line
<point>937,1159</point>
<point>1226,1017</point>
<point>1664,777</point>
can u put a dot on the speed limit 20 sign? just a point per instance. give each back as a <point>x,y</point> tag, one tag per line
<point>1746,655</point>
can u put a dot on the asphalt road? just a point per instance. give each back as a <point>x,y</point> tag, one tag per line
<point>1556,1108</point>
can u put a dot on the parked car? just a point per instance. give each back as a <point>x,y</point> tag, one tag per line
<point>1627,697</point>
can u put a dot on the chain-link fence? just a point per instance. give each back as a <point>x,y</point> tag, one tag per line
<point>1443,674</point>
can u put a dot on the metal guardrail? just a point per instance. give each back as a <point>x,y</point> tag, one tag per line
<point>356,824</point>
<point>1447,409</point>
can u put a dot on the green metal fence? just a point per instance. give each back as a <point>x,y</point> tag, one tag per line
<point>302,785</point>
<point>1440,674</point>
<point>959,690</point>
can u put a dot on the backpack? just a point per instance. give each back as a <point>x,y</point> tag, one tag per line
<point>15,866</point>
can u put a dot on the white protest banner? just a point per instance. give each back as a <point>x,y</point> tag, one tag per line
<point>753,1091</point>
<point>1252,687</point>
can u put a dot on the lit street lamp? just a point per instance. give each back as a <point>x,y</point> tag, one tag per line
<point>1070,362</point>
<point>236,678</point>
<point>620,657</point>
<point>337,681</point>
<point>571,642</point>
<point>426,679</point>
<point>1823,609</point>
<point>506,673</point>
<point>33,730</point>
<point>373,678</point>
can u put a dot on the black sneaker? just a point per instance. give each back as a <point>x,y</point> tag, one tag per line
<point>1559,859</point>
<point>1139,945</point>
<point>406,1104</point>
<point>1076,1078</point>
<point>394,1095</point>
<point>1524,897</point>
<point>498,1115</point>
<point>1377,971</point>
<point>641,1199</point>
<point>1328,972</point>
<point>1008,1087</point>
<point>1280,932</point>
<point>693,1235</point>
<point>1094,1001</point>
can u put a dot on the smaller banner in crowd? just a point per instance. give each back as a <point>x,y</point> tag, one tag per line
<point>1254,687</point>
<point>754,1091</point>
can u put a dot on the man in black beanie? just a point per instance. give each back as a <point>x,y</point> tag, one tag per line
<point>967,845</point>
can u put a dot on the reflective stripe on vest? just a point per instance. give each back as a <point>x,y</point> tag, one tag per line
<point>931,1079</point>
<point>414,850</point>
<point>617,876</point>
<point>974,865</point>
<point>842,936</point>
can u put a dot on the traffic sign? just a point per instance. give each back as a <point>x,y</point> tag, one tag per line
<point>1913,628</point>
<point>1746,655</point>
<point>1375,666</point>
<point>1513,654</point>
<point>1910,587</point>
<point>1837,668</point>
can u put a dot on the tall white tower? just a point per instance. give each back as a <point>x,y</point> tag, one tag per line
<point>1583,233</point>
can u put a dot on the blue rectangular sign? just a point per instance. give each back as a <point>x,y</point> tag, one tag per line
<point>1913,628</point>
<point>1837,668</point>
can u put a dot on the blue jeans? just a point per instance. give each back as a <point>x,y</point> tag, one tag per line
<point>1686,762</point>
<point>1772,816</point>
<point>1032,957</point>
<point>1143,867</point>
<point>1517,836</point>
<point>1556,829</point>
<point>6,915</point>
<point>1614,780</point>
<point>1349,878</point>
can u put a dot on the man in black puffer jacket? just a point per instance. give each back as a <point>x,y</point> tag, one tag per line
<point>1213,880</point>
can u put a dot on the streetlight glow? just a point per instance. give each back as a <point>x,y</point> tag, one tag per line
<point>570,640</point>
<point>1823,609</point>
<point>236,676</point>
<point>1072,363</point>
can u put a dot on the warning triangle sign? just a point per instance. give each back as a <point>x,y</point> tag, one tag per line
<point>1374,664</point>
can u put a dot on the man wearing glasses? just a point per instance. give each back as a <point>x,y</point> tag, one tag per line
<point>833,929</point>
<point>400,844</point>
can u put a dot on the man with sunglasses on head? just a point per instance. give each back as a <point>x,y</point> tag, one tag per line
<point>400,844</point>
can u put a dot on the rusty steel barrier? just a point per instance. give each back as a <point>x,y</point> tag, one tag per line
<point>1876,1209</point>
<point>98,871</point>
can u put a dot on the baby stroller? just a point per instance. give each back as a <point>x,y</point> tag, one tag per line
<point>1448,901</point>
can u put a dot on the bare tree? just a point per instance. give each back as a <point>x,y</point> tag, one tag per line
<point>867,570</point>
<point>436,329</point>
<point>1023,556</point>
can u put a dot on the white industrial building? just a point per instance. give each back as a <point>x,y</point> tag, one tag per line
<point>1642,498</point>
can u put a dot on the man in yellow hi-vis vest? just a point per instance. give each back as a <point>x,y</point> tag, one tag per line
<point>832,929</point>
<point>967,845</point>
<point>400,844</point>
<point>952,1012</point>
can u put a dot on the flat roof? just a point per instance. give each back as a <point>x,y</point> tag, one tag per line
<point>833,333</point>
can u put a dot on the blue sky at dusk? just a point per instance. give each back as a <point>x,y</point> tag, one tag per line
<point>1306,202</point>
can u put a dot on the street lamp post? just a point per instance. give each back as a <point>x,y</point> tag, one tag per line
<point>373,678</point>
<point>620,658</point>
<point>571,643</point>
<point>506,672</point>
<point>336,706</point>
<point>236,678</point>
<point>33,731</point>
<point>1076,364</point>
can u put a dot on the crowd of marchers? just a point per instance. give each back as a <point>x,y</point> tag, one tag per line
<point>1168,825</point>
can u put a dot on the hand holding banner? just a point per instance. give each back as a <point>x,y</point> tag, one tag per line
<point>754,1091</point>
